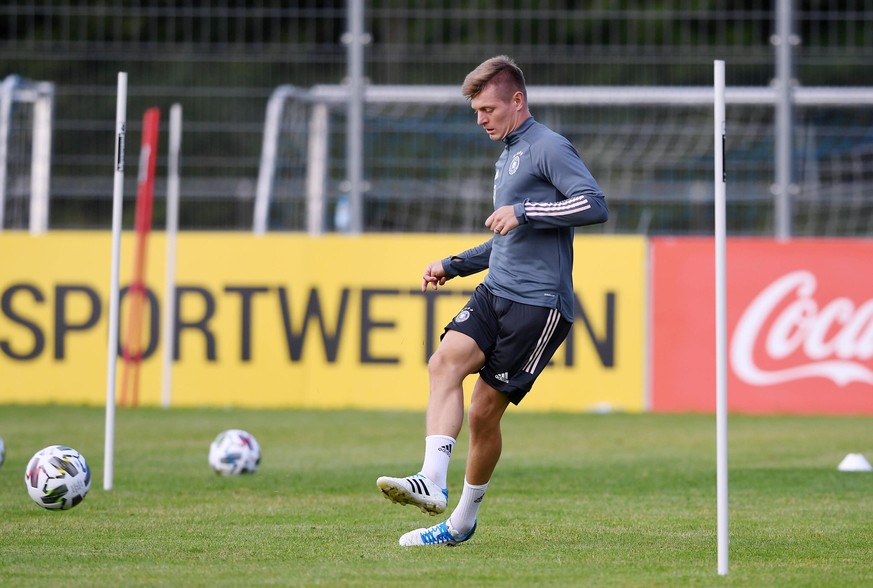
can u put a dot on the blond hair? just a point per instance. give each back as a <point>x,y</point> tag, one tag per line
<point>500,71</point>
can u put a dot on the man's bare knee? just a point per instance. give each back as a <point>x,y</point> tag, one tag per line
<point>486,411</point>
<point>482,421</point>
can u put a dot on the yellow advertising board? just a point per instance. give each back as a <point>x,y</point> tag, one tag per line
<point>286,320</point>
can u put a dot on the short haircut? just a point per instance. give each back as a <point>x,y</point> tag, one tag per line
<point>500,71</point>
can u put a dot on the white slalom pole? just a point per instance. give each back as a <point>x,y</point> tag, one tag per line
<point>172,229</point>
<point>720,181</point>
<point>112,352</point>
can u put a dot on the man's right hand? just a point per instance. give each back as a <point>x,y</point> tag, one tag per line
<point>434,274</point>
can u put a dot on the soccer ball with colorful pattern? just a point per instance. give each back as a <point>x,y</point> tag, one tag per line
<point>57,477</point>
<point>234,452</point>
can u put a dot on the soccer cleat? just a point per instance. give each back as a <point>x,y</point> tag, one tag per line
<point>418,490</point>
<point>437,535</point>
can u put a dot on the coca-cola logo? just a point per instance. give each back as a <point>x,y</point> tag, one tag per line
<point>794,336</point>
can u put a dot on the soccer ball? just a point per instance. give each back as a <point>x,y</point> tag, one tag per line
<point>57,477</point>
<point>2,451</point>
<point>234,452</point>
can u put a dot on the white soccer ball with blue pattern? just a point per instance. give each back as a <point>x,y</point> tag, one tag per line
<point>57,477</point>
<point>2,451</point>
<point>234,452</point>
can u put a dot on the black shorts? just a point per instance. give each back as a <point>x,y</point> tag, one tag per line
<point>518,340</point>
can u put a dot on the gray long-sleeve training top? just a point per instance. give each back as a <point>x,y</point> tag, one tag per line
<point>541,174</point>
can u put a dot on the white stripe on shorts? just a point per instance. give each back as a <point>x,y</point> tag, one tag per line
<point>549,330</point>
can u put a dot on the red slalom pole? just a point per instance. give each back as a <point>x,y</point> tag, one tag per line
<point>133,351</point>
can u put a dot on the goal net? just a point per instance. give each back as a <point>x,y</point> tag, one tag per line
<point>428,168</point>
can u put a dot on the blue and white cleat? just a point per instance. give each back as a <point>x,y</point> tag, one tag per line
<point>417,490</point>
<point>440,534</point>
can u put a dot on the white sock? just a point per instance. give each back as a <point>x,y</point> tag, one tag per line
<point>437,452</point>
<point>464,516</point>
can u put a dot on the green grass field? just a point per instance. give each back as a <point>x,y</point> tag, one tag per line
<point>577,500</point>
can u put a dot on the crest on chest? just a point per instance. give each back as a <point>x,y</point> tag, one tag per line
<point>516,161</point>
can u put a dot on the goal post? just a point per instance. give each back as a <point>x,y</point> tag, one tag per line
<point>26,115</point>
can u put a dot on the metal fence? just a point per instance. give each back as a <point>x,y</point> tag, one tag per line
<point>222,60</point>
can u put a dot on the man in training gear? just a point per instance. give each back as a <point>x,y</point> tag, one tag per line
<point>518,316</point>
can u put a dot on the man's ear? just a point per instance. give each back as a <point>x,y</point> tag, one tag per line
<point>518,100</point>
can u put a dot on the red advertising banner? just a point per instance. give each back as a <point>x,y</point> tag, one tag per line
<point>800,325</point>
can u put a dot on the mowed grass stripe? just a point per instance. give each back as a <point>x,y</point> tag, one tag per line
<point>599,500</point>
